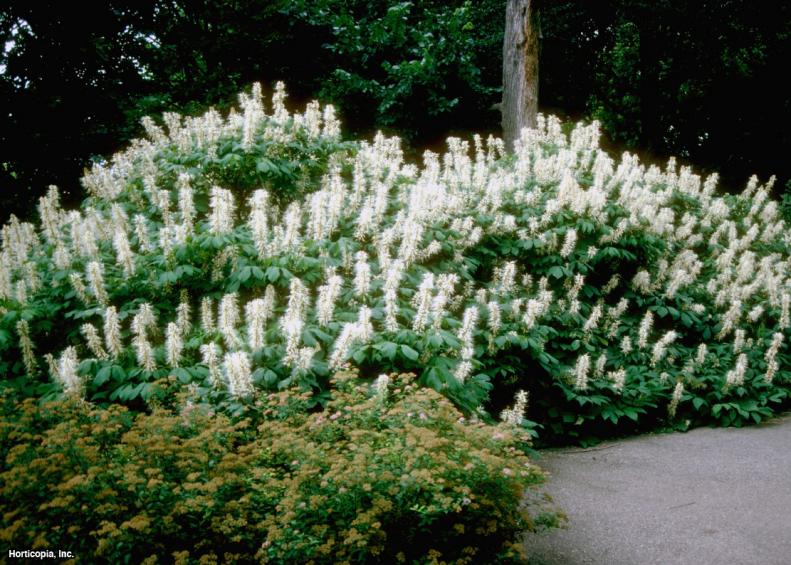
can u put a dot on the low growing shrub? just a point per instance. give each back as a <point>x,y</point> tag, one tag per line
<point>392,474</point>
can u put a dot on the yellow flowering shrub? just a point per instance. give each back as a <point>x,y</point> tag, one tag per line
<point>393,474</point>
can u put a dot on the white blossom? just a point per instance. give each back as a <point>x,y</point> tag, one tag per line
<point>93,341</point>
<point>342,344</point>
<point>26,345</point>
<point>258,222</point>
<point>465,335</point>
<point>228,318</point>
<point>642,282</point>
<point>183,314</point>
<point>601,363</point>
<point>141,232</point>
<point>644,331</point>
<point>207,314</point>
<point>186,201</point>
<point>124,256</point>
<point>700,356</point>
<point>257,314</point>
<point>143,319</point>
<point>222,206</point>
<point>173,344</point>
<point>569,242</point>
<point>362,274</point>
<point>735,377</point>
<point>573,294</point>
<point>210,357</point>
<point>675,399</point>
<point>593,320</point>
<point>738,340</point>
<point>328,295</point>
<point>292,321</point>
<point>618,379</point>
<point>581,372</point>
<point>392,280</point>
<point>238,374</point>
<point>516,413</point>
<point>626,345</point>
<point>771,357</point>
<point>660,347</point>
<point>731,318</point>
<point>112,332</point>
<point>611,285</point>
<point>380,385</point>
<point>505,278</point>
<point>422,302</point>
<point>67,373</point>
<point>446,287</point>
<point>95,277</point>
<point>495,320</point>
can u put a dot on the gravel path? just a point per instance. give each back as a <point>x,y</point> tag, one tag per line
<point>709,496</point>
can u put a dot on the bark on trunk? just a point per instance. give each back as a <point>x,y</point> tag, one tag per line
<point>520,69</point>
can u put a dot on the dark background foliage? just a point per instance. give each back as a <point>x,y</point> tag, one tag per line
<point>700,80</point>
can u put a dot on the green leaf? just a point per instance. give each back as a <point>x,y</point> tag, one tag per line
<point>409,353</point>
<point>264,165</point>
<point>432,378</point>
<point>631,413</point>
<point>388,349</point>
<point>182,375</point>
<point>272,273</point>
<point>146,391</point>
<point>556,272</point>
<point>102,376</point>
<point>359,355</point>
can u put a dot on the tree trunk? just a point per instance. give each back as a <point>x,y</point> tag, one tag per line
<point>520,69</point>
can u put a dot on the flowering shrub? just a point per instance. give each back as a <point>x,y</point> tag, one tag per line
<point>390,475</point>
<point>258,251</point>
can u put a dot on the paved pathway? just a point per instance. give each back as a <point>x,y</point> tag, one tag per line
<point>709,496</point>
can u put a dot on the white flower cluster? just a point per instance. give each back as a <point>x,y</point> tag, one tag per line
<point>65,372</point>
<point>352,332</point>
<point>238,373</point>
<point>678,391</point>
<point>660,347</point>
<point>93,341</point>
<point>618,379</point>
<point>771,357</point>
<point>26,344</point>
<point>465,334</point>
<point>735,377</point>
<point>581,372</point>
<point>142,321</point>
<point>381,385</point>
<point>516,413</point>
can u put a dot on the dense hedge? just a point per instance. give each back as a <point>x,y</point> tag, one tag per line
<point>258,251</point>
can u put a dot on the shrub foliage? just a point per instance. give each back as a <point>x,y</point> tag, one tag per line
<point>258,251</point>
<point>394,475</point>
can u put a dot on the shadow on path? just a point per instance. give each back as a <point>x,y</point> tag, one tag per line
<point>710,496</point>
